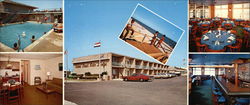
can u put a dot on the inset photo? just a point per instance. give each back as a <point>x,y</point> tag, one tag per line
<point>219,79</point>
<point>151,34</point>
<point>31,26</point>
<point>219,26</point>
<point>31,79</point>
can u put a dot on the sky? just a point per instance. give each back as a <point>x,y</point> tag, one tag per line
<point>42,4</point>
<point>88,22</point>
<point>157,23</point>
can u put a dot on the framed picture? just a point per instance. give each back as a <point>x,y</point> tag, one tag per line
<point>37,67</point>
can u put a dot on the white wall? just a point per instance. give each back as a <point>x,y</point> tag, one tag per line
<point>40,73</point>
<point>53,68</point>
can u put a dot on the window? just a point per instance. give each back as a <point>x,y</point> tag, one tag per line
<point>210,71</point>
<point>241,11</point>
<point>221,71</point>
<point>221,11</point>
<point>77,66</point>
<point>196,71</point>
<point>199,12</point>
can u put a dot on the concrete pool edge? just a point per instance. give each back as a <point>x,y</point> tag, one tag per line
<point>32,45</point>
<point>25,22</point>
<point>4,48</point>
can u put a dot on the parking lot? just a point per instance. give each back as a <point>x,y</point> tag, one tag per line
<point>159,92</point>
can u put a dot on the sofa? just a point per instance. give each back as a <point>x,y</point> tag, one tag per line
<point>55,84</point>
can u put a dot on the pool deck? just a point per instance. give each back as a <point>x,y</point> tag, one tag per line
<point>50,42</point>
<point>4,48</point>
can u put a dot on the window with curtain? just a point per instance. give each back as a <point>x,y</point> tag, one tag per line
<point>221,11</point>
<point>241,11</point>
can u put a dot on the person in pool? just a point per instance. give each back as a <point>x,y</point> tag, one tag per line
<point>154,38</point>
<point>129,28</point>
<point>16,46</point>
<point>33,39</point>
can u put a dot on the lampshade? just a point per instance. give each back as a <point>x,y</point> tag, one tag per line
<point>48,73</point>
<point>9,66</point>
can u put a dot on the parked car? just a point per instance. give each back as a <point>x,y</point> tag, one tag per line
<point>177,73</point>
<point>172,74</point>
<point>138,77</point>
<point>161,76</point>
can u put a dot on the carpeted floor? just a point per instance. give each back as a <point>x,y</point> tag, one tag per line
<point>201,95</point>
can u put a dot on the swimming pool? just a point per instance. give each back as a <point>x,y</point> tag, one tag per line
<point>9,34</point>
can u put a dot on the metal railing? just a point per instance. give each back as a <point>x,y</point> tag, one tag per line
<point>117,64</point>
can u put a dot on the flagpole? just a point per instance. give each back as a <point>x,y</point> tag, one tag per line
<point>66,53</point>
<point>100,60</point>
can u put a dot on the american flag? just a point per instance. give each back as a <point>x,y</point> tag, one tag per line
<point>98,44</point>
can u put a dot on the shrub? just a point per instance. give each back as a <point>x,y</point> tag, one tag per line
<point>87,74</point>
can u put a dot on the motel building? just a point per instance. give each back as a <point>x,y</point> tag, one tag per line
<point>12,12</point>
<point>117,65</point>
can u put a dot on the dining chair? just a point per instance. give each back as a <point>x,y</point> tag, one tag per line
<point>228,26</point>
<point>211,50</point>
<point>3,95</point>
<point>193,33</point>
<point>21,89</point>
<point>216,24</point>
<point>236,47</point>
<point>205,27</point>
<point>37,81</point>
<point>13,95</point>
<point>246,38</point>
<point>200,47</point>
<point>234,32</point>
<point>204,32</point>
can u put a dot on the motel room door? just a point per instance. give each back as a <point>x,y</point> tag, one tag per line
<point>25,75</point>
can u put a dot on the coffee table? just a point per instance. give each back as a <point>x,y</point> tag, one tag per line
<point>45,90</point>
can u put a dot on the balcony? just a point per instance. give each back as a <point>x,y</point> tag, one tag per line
<point>145,67</point>
<point>117,64</point>
<point>138,66</point>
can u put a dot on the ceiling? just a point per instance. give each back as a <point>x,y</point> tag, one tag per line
<point>215,59</point>
<point>30,55</point>
<point>217,2</point>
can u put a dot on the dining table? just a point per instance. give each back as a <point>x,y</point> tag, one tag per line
<point>218,39</point>
<point>247,29</point>
<point>204,22</point>
<point>228,22</point>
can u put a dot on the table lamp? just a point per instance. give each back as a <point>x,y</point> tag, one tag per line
<point>48,74</point>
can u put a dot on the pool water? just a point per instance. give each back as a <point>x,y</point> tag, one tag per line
<point>10,34</point>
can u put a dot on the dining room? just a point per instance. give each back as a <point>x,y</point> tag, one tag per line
<point>219,25</point>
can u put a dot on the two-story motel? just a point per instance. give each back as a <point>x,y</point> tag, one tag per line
<point>117,65</point>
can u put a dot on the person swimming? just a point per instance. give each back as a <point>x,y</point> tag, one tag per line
<point>16,46</point>
<point>33,38</point>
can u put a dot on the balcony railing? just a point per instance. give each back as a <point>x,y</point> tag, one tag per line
<point>117,64</point>
<point>138,66</point>
<point>145,67</point>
